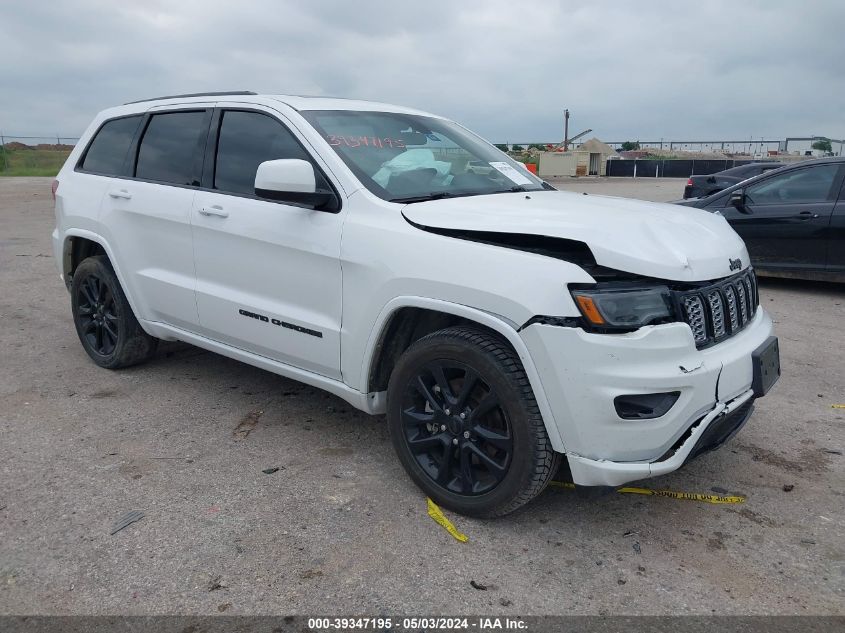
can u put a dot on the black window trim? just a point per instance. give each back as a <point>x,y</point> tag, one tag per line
<point>135,147</point>
<point>831,194</point>
<point>840,197</point>
<point>122,173</point>
<point>203,171</point>
<point>210,157</point>
<point>723,199</point>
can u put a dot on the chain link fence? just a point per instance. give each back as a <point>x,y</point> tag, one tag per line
<point>22,155</point>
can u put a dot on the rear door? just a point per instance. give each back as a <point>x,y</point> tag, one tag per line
<point>268,272</point>
<point>789,220</point>
<point>148,215</point>
<point>102,167</point>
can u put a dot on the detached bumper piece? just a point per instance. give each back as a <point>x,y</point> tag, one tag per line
<point>706,434</point>
<point>721,430</point>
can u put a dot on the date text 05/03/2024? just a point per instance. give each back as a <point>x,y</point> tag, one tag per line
<point>417,624</point>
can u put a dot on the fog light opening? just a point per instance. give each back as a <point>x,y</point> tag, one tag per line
<point>645,406</point>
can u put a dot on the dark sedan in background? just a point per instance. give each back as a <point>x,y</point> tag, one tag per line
<point>707,185</point>
<point>792,220</point>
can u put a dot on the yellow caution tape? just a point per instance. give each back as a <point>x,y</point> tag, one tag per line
<point>837,406</point>
<point>436,513</point>
<point>686,496</point>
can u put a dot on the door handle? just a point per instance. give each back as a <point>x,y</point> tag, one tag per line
<point>214,210</point>
<point>120,193</point>
<point>807,215</point>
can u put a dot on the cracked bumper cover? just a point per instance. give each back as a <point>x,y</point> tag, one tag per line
<point>582,373</point>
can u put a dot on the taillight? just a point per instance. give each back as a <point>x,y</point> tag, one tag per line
<point>689,182</point>
<point>54,188</point>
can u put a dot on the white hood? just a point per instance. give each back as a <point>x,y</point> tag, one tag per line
<point>646,238</point>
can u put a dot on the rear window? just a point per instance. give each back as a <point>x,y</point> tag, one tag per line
<point>170,146</point>
<point>108,150</point>
<point>753,169</point>
<point>742,170</point>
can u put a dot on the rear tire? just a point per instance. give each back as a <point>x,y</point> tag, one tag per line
<point>105,323</point>
<point>465,424</point>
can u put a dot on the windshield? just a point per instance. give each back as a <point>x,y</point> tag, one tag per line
<point>411,158</point>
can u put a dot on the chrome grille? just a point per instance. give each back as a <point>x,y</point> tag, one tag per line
<point>733,311</point>
<point>717,311</point>
<point>755,298</point>
<point>694,309</point>
<point>749,294</point>
<point>743,303</point>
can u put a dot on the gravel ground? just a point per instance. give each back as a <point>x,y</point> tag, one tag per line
<point>339,528</point>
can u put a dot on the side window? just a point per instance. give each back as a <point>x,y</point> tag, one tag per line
<point>169,147</point>
<point>247,139</point>
<point>812,184</point>
<point>108,150</point>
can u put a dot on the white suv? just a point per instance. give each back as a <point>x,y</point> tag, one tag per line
<point>504,327</point>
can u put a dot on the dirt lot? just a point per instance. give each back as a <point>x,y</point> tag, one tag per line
<point>339,528</point>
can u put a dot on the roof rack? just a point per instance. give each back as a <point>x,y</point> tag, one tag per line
<point>196,94</point>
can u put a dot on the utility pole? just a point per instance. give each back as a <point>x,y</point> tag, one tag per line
<point>566,130</point>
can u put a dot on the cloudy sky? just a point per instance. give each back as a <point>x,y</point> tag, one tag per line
<point>645,69</point>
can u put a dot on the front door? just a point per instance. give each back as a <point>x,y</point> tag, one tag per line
<point>789,218</point>
<point>268,273</point>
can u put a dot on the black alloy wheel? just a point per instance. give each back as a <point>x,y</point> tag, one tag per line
<point>97,314</point>
<point>456,428</point>
<point>105,323</point>
<point>465,424</point>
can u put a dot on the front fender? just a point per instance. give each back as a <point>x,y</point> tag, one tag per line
<point>499,324</point>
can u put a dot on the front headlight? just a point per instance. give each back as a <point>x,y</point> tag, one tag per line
<point>624,308</point>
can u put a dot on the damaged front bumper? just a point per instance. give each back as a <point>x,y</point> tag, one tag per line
<point>708,433</point>
<point>582,373</point>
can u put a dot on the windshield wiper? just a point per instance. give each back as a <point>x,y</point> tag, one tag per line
<point>428,196</point>
<point>437,195</point>
<point>516,189</point>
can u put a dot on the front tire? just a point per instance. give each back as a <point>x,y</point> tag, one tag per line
<point>105,323</point>
<point>465,424</point>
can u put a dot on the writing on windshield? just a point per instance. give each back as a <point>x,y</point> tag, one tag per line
<point>365,141</point>
<point>405,157</point>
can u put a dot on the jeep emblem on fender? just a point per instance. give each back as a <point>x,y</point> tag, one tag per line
<point>736,264</point>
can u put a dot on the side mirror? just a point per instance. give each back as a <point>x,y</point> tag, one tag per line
<point>290,180</point>
<point>738,200</point>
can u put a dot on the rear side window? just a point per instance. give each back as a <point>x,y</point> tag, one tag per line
<point>108,150</point>
<point>247,139</point>
<point>742,170</point>
<point>170,147</point>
